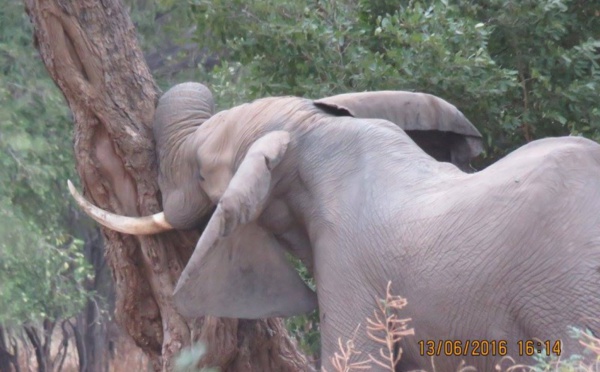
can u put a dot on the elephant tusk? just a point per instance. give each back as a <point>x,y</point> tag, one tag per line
<point>129,225</point>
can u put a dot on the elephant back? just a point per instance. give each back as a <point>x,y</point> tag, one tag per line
<point>437,126</point>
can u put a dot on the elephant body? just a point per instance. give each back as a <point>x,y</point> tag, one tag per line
<point>509,253</point>
<point>505,254</point>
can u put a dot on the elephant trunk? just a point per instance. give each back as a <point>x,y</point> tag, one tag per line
<point>130,225</point>
<point>180,112</point>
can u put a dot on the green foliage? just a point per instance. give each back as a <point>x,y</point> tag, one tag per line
<point>518,69</point>
<point>35,147</point>
<point>38,279</point>
<point>554,46</point>
<point>164,30</point>
<point>305,328</point>
<point>331,49</point>
<point>41,267</point>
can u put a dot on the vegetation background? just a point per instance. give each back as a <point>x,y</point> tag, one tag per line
<point>518,69</point>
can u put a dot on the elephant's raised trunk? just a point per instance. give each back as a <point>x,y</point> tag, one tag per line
<point>130,225</point>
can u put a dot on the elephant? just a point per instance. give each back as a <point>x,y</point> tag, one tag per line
<point>500,256</point>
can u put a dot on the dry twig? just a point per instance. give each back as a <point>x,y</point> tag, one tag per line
<point>341,361</point>
<point>387,329</point>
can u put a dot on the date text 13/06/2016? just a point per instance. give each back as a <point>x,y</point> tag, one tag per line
<point>487,347</point>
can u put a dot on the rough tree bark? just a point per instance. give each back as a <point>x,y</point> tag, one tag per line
<point>90,50</point>
<point>7,359</point>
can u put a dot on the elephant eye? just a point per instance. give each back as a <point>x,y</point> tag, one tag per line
<point>200,177</point>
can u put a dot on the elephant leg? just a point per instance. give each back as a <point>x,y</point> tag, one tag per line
<point>344,322</point>
<point>339,327</point>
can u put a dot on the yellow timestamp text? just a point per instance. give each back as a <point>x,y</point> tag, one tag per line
<point>463,348</point>
<point>532,347</point>
<point>487,347</point>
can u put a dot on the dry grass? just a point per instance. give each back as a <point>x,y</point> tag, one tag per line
<point>387,329</point>
<point>384,327</point>
<point>341,361</point>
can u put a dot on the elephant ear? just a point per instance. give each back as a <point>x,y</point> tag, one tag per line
<point>437,126</point>
<point>238,269</point>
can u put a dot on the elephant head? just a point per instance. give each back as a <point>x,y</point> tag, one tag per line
<point>179,113</point>
<point>218,162</point>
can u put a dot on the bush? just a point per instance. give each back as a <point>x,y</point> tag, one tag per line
<point>519,70</point>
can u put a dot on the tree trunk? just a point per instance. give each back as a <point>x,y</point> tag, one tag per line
<point>90,50</point>
<point>6,357</point>
<point>41,342</point>
<point>91,326</point>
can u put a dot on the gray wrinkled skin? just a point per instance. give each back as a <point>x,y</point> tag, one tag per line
<point>438,127</point>
<point>509,253</point>
<point>179,113</point>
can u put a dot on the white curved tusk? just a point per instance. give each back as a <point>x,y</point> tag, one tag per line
<point>129,225</point>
